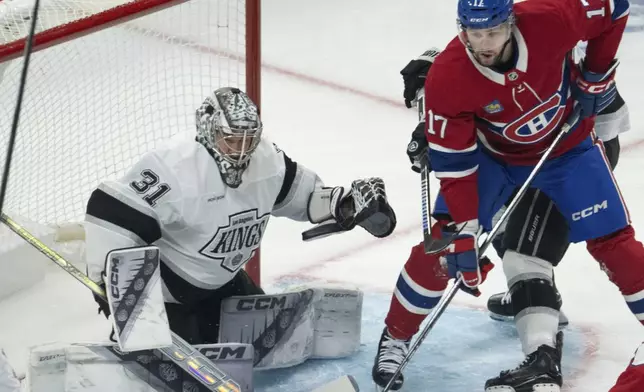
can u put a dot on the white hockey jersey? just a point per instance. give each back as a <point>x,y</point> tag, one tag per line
<point>8,380</point>
<point>174,198</point>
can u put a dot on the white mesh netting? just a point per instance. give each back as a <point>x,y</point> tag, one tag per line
<point>95,104</point>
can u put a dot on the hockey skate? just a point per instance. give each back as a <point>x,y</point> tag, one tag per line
<point>391,353</point>
<point>539,372</point>
<point>500,308</point>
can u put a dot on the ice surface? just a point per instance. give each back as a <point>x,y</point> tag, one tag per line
<point>463,350</point>
<point>332,99</point>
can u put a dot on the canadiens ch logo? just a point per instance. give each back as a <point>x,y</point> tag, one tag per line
<point>234,244</point>
<point>538,123</point>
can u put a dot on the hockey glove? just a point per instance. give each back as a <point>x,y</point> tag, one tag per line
<point>366,205</point>
<point>415,73</point>
<point>103,306</point>
<point>594,91</point>
<point>417,147</point>
<point>462,255</point>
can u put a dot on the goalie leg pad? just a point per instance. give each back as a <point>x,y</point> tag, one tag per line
<point>287,329</point>
<point>338,317</point>
<point>104,368</point>
<point>136,299</point>
<point>280,327</point>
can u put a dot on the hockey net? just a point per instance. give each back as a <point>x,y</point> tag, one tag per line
<point>108,81</point>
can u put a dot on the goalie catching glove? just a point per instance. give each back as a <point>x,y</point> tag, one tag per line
<point>334,211</point>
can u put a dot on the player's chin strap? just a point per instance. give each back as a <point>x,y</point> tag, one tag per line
<point>484,243</point>
<point>334,211</point>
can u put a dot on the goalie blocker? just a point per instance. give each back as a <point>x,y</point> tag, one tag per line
<point>133,287</point>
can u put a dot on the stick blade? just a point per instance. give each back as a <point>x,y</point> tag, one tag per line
<point>343,384</point>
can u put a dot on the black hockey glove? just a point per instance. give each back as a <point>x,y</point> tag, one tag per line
<point>372,210</point>
<point>103,306</point>
<point>417,147</point>
<point>415,73</point>
<point>334,211</point>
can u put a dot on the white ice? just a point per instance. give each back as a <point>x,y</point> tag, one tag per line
<point>332,100</point>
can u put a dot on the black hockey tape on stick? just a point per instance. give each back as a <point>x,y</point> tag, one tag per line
<point>186,357</point>
<point>428,241</point>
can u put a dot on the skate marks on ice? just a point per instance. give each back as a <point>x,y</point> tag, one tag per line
<point>465,349</point>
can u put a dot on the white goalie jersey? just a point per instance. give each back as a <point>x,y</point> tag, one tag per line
<point>174,198</point>
<point>8,380</point>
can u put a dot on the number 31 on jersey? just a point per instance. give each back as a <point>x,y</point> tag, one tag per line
<point>149,182</point>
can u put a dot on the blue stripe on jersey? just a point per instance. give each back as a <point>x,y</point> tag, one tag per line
<point>621,6</point>
<point>636,307</point>
<point>453,161</point>
<point>414,297</point>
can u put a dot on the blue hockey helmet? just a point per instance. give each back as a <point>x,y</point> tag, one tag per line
<point>483,14</point>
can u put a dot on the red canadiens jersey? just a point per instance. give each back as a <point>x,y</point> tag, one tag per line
<point>515,115</point>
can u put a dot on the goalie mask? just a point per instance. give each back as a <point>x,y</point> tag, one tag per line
<point>228,125</point>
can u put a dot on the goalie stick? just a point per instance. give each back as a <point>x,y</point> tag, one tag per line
<point>342,384</point>
<point>181,353</point>
<point>436,245</point>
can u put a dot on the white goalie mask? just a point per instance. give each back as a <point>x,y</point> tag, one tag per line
<point>228,125</point>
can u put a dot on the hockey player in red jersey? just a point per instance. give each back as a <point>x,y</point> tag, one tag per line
<point>496,98</point>
<point>632,379</point>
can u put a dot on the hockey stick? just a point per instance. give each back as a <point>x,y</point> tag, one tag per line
<point>426,205</point>
<point>181,353</point>
<point>16,114</point>
<point>484,242</point>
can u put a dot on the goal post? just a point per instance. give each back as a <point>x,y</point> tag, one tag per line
<point>108,81</point>
<point>254,91</point>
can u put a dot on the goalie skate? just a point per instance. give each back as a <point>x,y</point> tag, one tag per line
<point>539,372</point>
<point>391,353</point>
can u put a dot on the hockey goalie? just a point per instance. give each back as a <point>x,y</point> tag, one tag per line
<point>168,241</point>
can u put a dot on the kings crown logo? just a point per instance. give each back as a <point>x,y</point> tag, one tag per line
<point>234,244</point>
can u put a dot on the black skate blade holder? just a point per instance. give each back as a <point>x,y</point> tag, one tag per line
<point>484,240</point>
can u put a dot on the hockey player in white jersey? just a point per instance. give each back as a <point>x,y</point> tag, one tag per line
<point>206,203</point>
